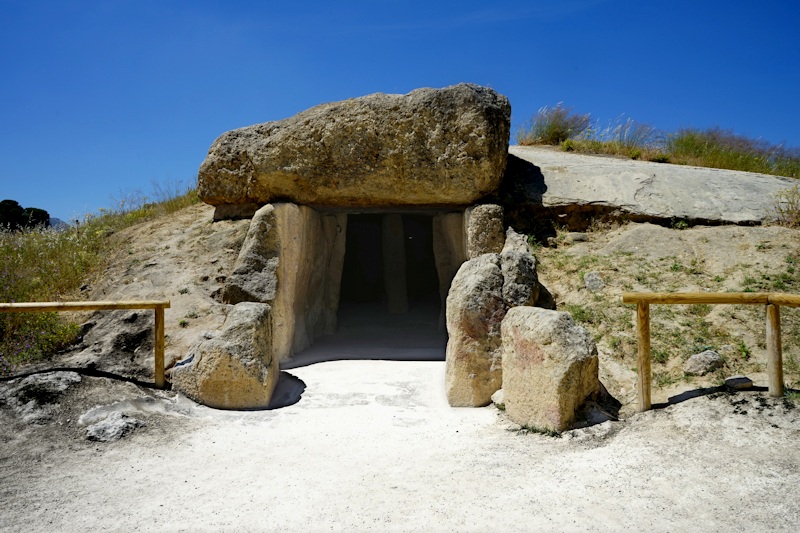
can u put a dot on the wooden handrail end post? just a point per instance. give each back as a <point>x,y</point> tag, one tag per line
<point>774,351</point>
<point>643,332</point>
<point>160,379</point>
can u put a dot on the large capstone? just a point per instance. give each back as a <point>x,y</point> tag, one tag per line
<point>431,147</point>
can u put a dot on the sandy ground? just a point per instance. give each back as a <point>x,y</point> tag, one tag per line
<point>362,439</point>
<point>373,445</point>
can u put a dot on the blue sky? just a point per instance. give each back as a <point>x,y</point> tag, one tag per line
<point>103,98</point>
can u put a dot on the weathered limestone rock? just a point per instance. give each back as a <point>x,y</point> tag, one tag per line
<point>550,367</point>
<point>479,297</point>
<point>593,282</point>
<point>235,369</point>
<point>475,309</point>
<point>292,259</point>
<point>543,183</point>
<point>520,281</point>
<point>703,363</point>
<point>484,229</point>
<point>113,427</point>
<point>254,277</point>
<point>429,147</point>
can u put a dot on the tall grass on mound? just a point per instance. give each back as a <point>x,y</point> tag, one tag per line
<point>44,264</point>
<point>720,148</point>
<point>713,147</point>
<point>553,125</point>
<point>628,138</point>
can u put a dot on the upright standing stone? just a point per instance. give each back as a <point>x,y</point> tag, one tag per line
<point>291,259</point>
<point>235,369</point>
<point>485,230</point>
<point>475,308</point>
<point>550,367</point>
<point>393,250</point>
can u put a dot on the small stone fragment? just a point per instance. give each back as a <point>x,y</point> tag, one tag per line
<point>113,427</point>
<point>593,282</point>
<point>499,399</point>
<point>702,363</point>
<point>574,237</point>
<point>739,383</point>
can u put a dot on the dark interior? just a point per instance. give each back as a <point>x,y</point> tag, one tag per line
<point>362,275</point>
<point>366,329</point>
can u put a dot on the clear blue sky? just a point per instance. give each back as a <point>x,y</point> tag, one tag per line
<point>101,98</point>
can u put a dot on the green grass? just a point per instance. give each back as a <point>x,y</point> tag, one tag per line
<point>677,331</point>
<point>47,265</point>
<point>712,147</point>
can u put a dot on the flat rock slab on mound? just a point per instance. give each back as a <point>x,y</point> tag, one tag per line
<point>429,147</point>
<point>581,184</point>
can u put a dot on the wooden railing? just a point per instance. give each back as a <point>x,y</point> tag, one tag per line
<point>157,306</point>
<point>772,301</point>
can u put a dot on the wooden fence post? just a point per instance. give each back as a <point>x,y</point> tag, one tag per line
<point>160,379</point>
<point>774,351</point>
<point>643,330</point>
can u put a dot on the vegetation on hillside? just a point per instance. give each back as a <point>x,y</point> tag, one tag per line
<point>45,264</point>
<point>736,332</point>
<point>714,147</point>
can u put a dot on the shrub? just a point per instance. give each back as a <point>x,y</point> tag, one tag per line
<point>787,207</point>
<point>553,125</point>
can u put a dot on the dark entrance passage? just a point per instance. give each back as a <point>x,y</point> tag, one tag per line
<point>389,301</point>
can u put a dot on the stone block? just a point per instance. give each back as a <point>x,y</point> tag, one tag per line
<point>550,367</point>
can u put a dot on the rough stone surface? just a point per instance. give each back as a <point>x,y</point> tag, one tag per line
<point>702,363</point>
<point>484,229</point>
<point>593,282</point>
<point>291,259</point>
<point>113,427</point>
<point>235,369</point>
<point>739,383</point>
<point>517,245</point>
<point>520,282</point>
<point>545,183</point>
<point>475,309</point>
<point>35,398</point>
<point>255,273</point>
<point>550,367</point>
<point>429,147</point>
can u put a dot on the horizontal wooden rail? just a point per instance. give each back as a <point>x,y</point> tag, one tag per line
<point>790,300</point>
<point>772,301</point>
<point>158,307</point>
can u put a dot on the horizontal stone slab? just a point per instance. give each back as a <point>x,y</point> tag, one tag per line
<point>569,183</point>
<point>429,147</point>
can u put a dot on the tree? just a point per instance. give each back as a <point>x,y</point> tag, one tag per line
<point>14,217</point>
<point>33,217</point>
<point>11,214</point>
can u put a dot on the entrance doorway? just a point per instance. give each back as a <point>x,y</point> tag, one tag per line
<point>389,299</point>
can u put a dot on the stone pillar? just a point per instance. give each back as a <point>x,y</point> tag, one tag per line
<point>449,252</point>
<point>291,259</point>
<point>485,233</point>
<point>394,263</point>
